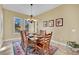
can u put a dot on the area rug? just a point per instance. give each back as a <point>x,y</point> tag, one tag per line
<point>17,48</point>
<point>53,49</point>
<point>19,51</point>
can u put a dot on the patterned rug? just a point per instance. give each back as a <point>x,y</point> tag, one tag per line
<point>19,51</point>
<point>17,48</point>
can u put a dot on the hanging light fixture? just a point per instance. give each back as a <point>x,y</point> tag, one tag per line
<point>31,16</point>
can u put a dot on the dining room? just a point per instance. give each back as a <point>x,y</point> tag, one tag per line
<point>39,29</point>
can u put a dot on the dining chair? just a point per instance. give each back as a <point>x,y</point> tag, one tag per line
<point>42,32</point>
<point>24,41</point>
<point>42,45</point>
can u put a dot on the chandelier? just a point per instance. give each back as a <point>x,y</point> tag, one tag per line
<point>31,19</point>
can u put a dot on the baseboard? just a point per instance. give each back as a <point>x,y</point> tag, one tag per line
<point>61,43</point>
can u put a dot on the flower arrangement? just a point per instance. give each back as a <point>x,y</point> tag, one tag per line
<point>73,44</point>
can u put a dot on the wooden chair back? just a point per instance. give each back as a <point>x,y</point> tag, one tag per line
<point>42,32</point>
<point>24,41</point>
<point>44,43</point>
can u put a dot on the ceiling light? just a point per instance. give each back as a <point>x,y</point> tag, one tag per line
<point>31,19</point>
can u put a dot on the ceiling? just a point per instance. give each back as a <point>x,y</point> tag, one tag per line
<point>37,9</point>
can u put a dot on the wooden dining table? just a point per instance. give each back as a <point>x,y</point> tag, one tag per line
<point>33,39</point>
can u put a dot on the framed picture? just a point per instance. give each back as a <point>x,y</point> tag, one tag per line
<point>45,23</point>
<point>51,23</point>
<point>18,23</point>
<point>59,22</point>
